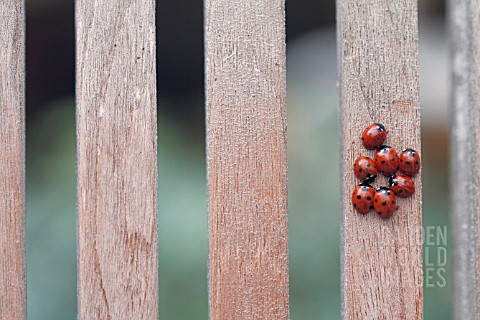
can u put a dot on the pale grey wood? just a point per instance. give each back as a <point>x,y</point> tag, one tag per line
<point>116,158</point>
<point>12,160</point>
<point>464,20</point>
<point>247,163</point>
<point>378,67</point>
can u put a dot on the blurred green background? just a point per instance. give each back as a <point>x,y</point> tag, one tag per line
<point>313,158</point>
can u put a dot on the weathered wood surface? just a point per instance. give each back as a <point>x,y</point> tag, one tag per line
<point>12,160</point>
<point>247,164</point>
<point>378,67</point>
<point>464,18</point>
<point>116,157</point>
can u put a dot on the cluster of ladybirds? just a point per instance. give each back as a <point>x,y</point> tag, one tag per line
<point>386,161</point>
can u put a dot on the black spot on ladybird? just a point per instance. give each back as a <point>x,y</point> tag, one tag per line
<point>354,205</point>
<point>416,162</point>
<point>393,159</point>
<point>383,161</point>
<point>398,167</point>
<point>393,202</point>
<point>368,165</point>
<point>401,160</point>
<point>405,182</point>
<point>376,200</point>
<point>368,198</point>
<point>363,138</point>
<point>359,197</point>
<point>408,162</point>
<point>371,207</point>
<point>378,139</point>
<point>400,191</point>
<point>380,212</point>
<point>384,203</point>
<point>360,170</point>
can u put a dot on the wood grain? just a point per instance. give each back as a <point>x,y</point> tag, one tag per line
<point>378,67</point>
<point>464,17</point>
<point>12,160</point>
<point>116,158</point>
<point>246,156</point>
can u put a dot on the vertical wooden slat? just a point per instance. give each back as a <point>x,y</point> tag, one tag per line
<point>464,18</point>
<point>12,161</point>
<point>246,128</point>
<point>116,158</point>
<point>378,66</point>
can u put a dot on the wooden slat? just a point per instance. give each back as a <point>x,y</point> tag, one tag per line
<point>246,128</point>
<point>378,66</point>
<point>116,157</point>
<point>12,161</point>
<point>464,16</point>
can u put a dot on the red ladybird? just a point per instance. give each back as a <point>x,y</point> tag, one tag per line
<point>401,185</point>
<point>374,136</point>
<point>386,160</point>
<point>365,169</point>
<point>384,202</point>
<point>409,162</point>
<point>362,198</point>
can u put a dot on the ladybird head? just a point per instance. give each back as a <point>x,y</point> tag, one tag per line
<point>365,183</point>
<point>411,151</point>
<point>383,190</point>
<point>370,179</point>
<point>384,148</point>
<point>392,181</point>
<point>380,126</point>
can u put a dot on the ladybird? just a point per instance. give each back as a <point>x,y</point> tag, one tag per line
<point>386,160</point>
<point>365,169</point>
<point>374,136</point>
<point>402,185</point>
<point>362,198</point>
<point>409,162</point>
<point>384,202</point>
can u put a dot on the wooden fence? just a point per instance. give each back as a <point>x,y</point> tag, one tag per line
<point>246,158</point>
<point>382,260</point>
